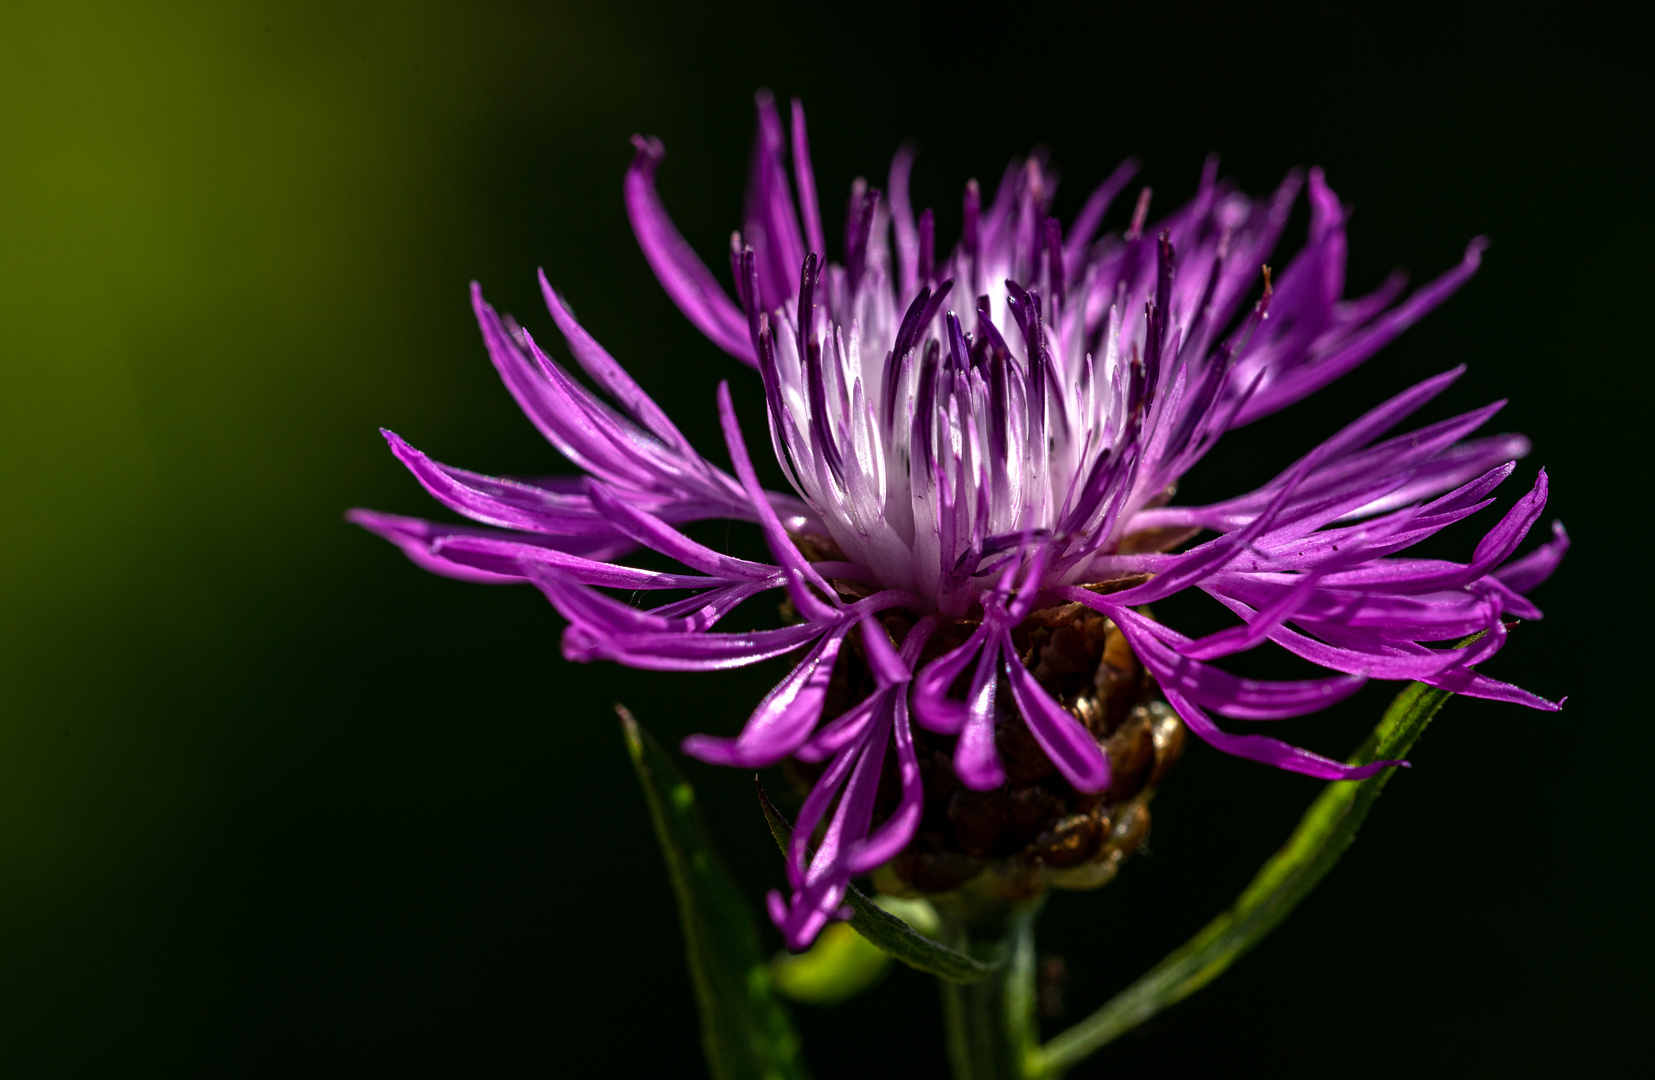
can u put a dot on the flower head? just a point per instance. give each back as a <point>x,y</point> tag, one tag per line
<point>982,446</point>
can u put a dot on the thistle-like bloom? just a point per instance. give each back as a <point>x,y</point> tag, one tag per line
<point>977,438</point>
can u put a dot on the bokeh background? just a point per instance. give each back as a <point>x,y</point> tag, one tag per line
<point>273,802</point>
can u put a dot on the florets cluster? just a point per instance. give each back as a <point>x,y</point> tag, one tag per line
<point>982,442</point>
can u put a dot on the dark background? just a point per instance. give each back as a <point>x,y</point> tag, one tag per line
<point>274,802</point>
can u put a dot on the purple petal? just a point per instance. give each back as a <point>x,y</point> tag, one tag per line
<point>1534,568</point>
<point>1200,562</point>
<point>1064,739</point>
<point>886,842</point>
<point>976,761</point>
<point>657,535</point>
<point>816,805</point>
<point>804,178</point>
<point>1230,695</point>
<point>414,537</point>
<point>1472,684</point>
<point>512,551</point>
<point>841,731</point>
<point>1492,550</point>
<point>586,430</point>
<point>887,666</point>
<point>597,362</point>
<point>801,576</point>
<point>902,218</point>
<point>771,226</point>
<point>1376,657</point>
<point>680,271</point>
<point>1305,379</point>
<point>510,504</point>
<point>1269,751</point>
<point>783,719</point>
<point>932,707</point>
<point>1450,468</point>
<point>658,651</point>
<point>1091,215</point>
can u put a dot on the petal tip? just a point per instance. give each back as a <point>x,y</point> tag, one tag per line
<point>650,150</point>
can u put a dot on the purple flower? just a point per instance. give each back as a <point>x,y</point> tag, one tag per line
<point>976,435</point>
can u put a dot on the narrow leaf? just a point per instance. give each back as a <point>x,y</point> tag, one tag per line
<point>746,1031</point>
<point>1324,832</point>
<point>891,934</point>
<point>842,963</point>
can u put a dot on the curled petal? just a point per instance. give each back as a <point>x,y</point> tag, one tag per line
<point>680,271</point>
<point>887,841</point>
<point>1064,739</point>
<point>932,707</point>
<point>976,760</point>
<point>1534,568</point>
<point>783,719</point>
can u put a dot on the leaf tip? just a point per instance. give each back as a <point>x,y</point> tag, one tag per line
<point>631,731</point>
<point>780,830</point>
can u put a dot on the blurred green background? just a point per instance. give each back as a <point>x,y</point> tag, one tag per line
<point>274,802</point>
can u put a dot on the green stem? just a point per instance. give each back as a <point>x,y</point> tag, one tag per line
<point>990,1023</point>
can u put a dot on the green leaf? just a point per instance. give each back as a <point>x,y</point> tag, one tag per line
<point>842,963</point>
<point>746,1031</point>
<point>1324,832</point>
<point>891,934</point>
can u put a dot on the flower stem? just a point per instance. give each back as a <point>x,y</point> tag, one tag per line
<point>990,1024</point>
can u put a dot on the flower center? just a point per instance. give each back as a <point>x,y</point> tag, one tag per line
<point>1036,831</point>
